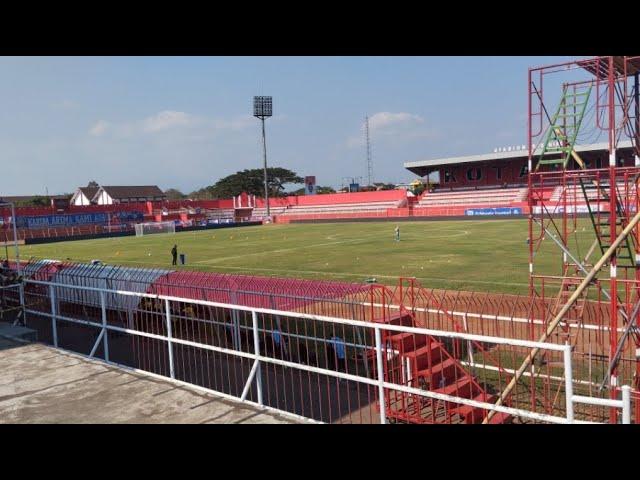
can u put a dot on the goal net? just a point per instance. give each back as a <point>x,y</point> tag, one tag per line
<point>154,227</point>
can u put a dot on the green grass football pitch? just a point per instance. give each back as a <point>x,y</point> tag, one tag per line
<point>463,255</point>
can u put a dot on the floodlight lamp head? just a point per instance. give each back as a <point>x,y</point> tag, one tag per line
<point>262,107</point>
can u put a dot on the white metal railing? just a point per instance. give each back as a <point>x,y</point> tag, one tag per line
<point>18,290</point>
<point>259,359</point>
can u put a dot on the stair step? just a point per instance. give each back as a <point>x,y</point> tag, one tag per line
<point>420,357</point>
<point>408,342</point>
<point>607,223</point>
<point>500,418</point>
<point>444,370</point>
<point>463,388</point>
<point>474,414</point>
<point>567,115</point>
<point>398,318</point>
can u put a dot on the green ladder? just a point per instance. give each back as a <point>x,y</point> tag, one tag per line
<point>601,220</point>
<point>563,128</point>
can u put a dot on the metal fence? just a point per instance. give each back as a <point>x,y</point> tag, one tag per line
<point>304,361</point>
<point>11,303</point>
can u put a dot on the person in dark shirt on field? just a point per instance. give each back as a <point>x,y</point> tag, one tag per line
<point>174,254</point>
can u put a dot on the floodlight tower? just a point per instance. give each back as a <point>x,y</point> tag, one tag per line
<point>263,108</point>
<point>368,143</point>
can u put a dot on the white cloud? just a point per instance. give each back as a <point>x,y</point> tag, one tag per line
<point>66,104</point>
<point>393,127</point>
<point>167,119</point>
<point>383,120</point>
<point>99,128</point>
<point>170,120</point>
<point>238,123</point>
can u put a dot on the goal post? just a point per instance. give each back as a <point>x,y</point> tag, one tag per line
<point>149,228</point>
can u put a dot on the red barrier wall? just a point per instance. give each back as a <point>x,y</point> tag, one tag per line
<point>335,198</point>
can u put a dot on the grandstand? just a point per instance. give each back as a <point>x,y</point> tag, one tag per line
<point>568,351</point>
<point>471,185</point>
<point>366,207</point>
<point>41,223</point>
<point>491,197</point>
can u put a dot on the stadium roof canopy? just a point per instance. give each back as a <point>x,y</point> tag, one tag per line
<point>423,167</point>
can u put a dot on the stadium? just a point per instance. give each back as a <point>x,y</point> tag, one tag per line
<point>522,308</point>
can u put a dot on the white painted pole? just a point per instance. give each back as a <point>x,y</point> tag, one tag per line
<point>256,348</point>
<point>105,339</point>
<point>15,238</point>
<point>568,382</point>
<point>54,327</point>
<point>381,397</point>
<point>252,373</point>
<point>626,404</point>
<point>24,310</point>
<point>169,336</point>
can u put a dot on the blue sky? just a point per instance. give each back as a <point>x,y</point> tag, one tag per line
<point>185,122</point>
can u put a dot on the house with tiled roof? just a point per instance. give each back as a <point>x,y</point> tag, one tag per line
<point>114,194</point>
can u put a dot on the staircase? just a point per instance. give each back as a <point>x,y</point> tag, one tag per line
<point>601,220</point>
<point>558,146</point>
<point>575,313</point>
<point>422,361</point>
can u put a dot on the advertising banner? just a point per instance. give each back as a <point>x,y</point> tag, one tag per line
<point>310,185</point>
<point>69,220</point>
<point>575,209</point>
<point>494,211</point>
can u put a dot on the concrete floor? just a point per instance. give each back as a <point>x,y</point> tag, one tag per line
<point>39,384</point>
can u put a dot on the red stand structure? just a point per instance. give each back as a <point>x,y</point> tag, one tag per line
<point>598,95</point>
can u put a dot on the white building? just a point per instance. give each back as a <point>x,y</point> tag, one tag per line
<point>109,195</point>
<point>83,196</point>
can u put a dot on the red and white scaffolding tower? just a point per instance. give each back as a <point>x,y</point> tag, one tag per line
<point>593,207</point>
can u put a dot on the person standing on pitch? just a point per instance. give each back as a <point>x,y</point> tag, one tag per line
<point>174,254</point>
<point>397,233</point>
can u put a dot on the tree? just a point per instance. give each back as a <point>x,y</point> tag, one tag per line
<point>37,201</point>
<point>319,191</point>
<point>174,194</point>
<point>417,187</point>
<point>202,194</point>
<point>252,182</point>
<point>384,186</point>
<point>93,183</point>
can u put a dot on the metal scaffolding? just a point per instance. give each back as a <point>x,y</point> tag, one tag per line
<point>593,208</point>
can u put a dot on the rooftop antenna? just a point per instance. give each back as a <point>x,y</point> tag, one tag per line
<point>368,143</point>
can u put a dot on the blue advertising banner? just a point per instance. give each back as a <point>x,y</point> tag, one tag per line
<point>47,221</point>
<point>494,211</point>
